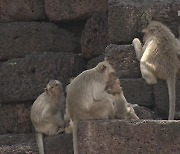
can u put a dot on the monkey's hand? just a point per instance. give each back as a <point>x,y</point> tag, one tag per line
<point>47,116</point>
<point>138,48</point>
<point>103,95</point>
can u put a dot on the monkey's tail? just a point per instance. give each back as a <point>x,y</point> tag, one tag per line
<point>39,140</point>
<point>171,84</point>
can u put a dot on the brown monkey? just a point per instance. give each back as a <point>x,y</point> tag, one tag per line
<point>47,112</point>
<point>87,98</point>
<point>158,58</point>
<point>123,109</point>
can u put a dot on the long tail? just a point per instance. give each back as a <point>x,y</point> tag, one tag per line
<point>39,140</point>
<point>171,84</point>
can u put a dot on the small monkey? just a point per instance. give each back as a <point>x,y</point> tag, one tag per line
<point>87,98</point>
<point>123,109</point>
<point>47,112</point>
<point>158,58</point>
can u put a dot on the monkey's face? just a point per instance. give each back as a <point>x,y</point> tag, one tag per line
<point>108,70</point>
<point>55,89</point>
<point>115,87</point>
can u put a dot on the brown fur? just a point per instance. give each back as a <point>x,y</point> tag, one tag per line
<point>121,106</point>
<point>87,98</point>
<point>47,112</point>
<point>158,58</point>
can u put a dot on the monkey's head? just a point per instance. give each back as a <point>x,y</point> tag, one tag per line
<point>113,87</point>
<point>154,28</point>
<point>54,87</point>
<point>106,70</point>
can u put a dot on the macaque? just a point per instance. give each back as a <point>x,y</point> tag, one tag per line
<point>158,58</point>
<point>47,112</point>
<point>123,109</point>
<point>87,98</point>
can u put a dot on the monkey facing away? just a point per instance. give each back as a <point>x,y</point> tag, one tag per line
<point>87,98</point>
<point>158,58</point>
<point>47,112</point>
<point>123,109</point>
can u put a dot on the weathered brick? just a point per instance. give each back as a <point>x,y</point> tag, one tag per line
<point>94,61</point>
<point>162,98</point>
<point>126,19</point>
<point>124,61</point>
<point>138,92</point>
<point>18,10</point>
<point>22,38</point>
<point>129,137</point>
<point>15,119</point>
<point>144,113</point>
<point>63,10</point>
<point>26,144</point>
<point>23,79</point>
<point>95,35</point>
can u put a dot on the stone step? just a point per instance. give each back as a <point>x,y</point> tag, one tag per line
<point>26,144</point>
<point>129,137</point>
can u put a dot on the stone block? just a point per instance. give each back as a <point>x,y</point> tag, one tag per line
<point>138,92</point>
<point>22,38</point>
<point>126,19</point>
<point>63,10</point>
<point>129,137</point>
<point>15,119</point>
<point>23,79</point>
<point>95,35</point>
<point>144,112</point>
<point>18,10</point>
<point>162,98</point>
<point>26,144</point>
<point>124,61</point>
<point>94,61</point>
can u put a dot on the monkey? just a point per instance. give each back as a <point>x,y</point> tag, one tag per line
<point>158,58</point>
<point>87,99</point>
<point>47,112</point>
<point>123,109</point>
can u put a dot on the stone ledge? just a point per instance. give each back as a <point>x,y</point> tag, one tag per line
<point>26,144</point>
<point>116,136</point>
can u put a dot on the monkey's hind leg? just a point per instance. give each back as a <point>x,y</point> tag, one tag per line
<point>147,74</point>
<point>39,140</point>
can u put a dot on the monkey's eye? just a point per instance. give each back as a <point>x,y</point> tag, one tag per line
<point>56,85</point>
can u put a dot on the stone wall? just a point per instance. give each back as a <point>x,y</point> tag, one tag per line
<point>128,137</point>
<point>52,39</point>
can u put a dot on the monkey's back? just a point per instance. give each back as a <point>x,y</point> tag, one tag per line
<point>37,108</point>
<point>163,58</point>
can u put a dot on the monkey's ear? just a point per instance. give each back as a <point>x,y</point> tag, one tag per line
<point>102,68</point>
<point>45,89</point>
<point>106,60</point>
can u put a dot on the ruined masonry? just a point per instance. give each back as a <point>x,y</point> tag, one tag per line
<point>58,39</point>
